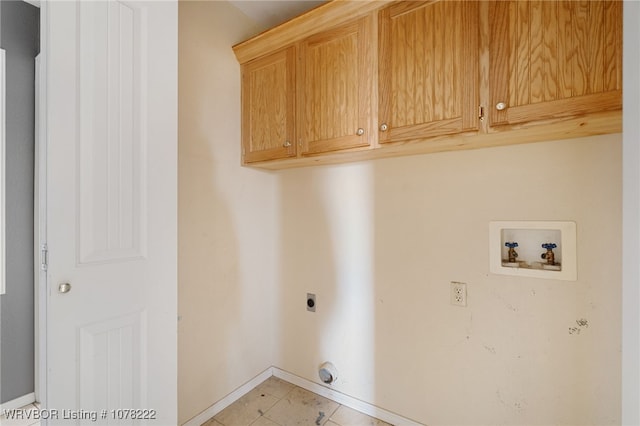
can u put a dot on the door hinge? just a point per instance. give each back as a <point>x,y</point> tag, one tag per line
<point>480,112</point>
<point>44,257</point>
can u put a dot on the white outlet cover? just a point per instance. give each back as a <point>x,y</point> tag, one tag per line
<point>458,293</point>
<point>567,243</point>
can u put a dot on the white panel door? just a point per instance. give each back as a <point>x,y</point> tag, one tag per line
<point>111,126</point>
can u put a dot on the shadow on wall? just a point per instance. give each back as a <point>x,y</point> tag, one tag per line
<point>328,241</point>
<point>379,243</point>
<point>226,259</point>
<point>210,289</point>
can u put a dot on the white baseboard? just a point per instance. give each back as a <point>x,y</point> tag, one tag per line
<point>229,399</point>
<point>340,398</point>
<point>18,402</point>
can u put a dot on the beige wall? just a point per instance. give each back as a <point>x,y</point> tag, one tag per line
<point>379,242</point>
<point>226,261</point>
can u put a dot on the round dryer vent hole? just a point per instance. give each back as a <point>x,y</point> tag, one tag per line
<point>328,373</point>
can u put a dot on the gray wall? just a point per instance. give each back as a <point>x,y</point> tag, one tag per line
<point>19,36</point>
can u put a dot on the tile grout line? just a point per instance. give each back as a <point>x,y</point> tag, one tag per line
<point>293,388</point>
<point>269,409</point>
<point>279,399</point>
<point>329,417</point>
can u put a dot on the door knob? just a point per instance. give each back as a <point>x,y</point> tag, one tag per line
<point>501,106</point>
<point>64,288</point>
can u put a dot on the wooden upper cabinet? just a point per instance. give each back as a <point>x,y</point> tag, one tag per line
<point>554,58</point>
<point>335,88</point>
<point>428,69</point>
<point>268,107</point>
<point>349,79</point>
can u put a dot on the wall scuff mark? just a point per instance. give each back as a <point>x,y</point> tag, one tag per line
<point>582,323</point>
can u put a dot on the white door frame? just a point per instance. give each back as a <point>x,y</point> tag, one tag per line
<point>39,299</point>
<point>40,210</point>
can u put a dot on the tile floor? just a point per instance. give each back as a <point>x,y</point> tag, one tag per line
<point>275,402</point>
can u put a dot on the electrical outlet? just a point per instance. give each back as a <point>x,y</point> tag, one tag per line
<point>458,293</point>
<point>311,302</point>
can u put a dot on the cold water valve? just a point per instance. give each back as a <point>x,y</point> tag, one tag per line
<point>549,256</point>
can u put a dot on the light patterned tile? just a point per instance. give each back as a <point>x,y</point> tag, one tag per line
<point>301,407</point>
<point>211,422</point>
<point>330,423</point>
<point>346,416</point>
<point>276,387</point>
<point>263,421</point>
<point>247,409</point>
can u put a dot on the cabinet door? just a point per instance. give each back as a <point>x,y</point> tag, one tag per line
<point>554,58</point>
<point>335,89</point>
<point>428,62</point>
<point>268,107</point>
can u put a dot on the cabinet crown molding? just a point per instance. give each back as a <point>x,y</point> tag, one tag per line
<point>330,14</point>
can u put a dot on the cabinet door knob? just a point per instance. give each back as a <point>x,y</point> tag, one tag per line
<point>64,288</point>
<point>360,131</point>
<point>384,127</point>
<point>287,144</point>
<point>501,106</point>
